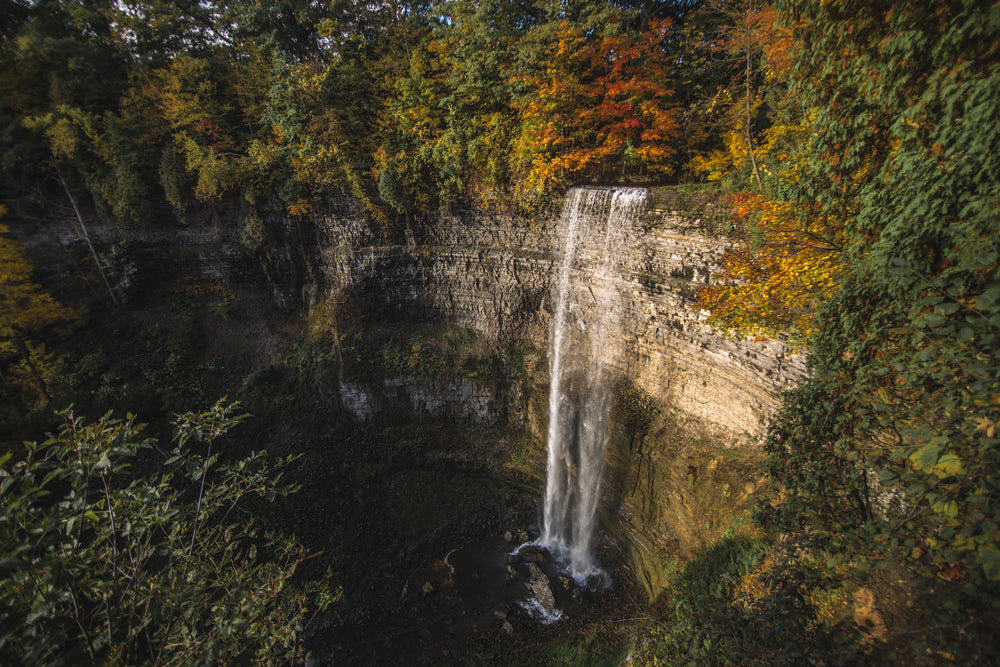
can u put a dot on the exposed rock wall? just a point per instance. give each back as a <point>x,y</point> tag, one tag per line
<point>668,350</point>
<point>494,272</point>
<point>665,493</point>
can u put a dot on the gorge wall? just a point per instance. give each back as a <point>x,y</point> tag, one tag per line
<point>670,484</point>
<point>493,272</point>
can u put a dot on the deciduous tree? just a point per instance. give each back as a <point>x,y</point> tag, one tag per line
<point>596,104</point>
<point>25,309</point>
<point>775,284</point>
<point>750,49</point>
<point>889,452</point>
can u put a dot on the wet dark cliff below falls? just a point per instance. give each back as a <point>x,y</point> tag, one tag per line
<point>670,487</point>
<point>673,488</point>
<point>668,491</point>
<point>679,470</point>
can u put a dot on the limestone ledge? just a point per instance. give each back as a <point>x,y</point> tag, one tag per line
<point>494,273</point>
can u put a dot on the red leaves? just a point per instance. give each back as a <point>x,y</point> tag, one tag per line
<point>598,102</point>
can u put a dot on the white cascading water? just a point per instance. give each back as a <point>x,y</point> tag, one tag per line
<point>586,310</point>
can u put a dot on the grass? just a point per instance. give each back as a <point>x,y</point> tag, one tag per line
<point>712,570</point>
<point>590,651</point>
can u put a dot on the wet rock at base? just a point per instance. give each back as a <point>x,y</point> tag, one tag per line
<point>534,554</point>
<point>538,584</point>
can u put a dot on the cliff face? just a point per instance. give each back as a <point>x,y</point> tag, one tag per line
<point>672,482</point>
<point>494,273</point>
<point>671,485</point>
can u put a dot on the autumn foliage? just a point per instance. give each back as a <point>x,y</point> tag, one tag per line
<point>25,309</point>
<point>752,48</point>
<point>597,105</point>
<point>775,284</point>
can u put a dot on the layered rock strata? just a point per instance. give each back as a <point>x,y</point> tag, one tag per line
<point>664,494</point>
<point>494,272</point>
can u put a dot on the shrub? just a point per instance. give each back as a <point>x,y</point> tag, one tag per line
<point>100,563</point>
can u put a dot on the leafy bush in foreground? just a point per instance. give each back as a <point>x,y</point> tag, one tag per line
<point>101,564</point>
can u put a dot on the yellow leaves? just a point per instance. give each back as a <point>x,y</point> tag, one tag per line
<point>62,137</point>
<point>216,174</point>
<point>986,425</point>
<point>65,129</point>
<point>777,286</point>
<point>188,94</point>
<point>772,146</point>
<point>947,507</point>
<point>300,207</point>
<point>23,304</point>
<point>947,466</point>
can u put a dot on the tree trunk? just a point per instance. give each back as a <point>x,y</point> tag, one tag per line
<point>86,237</point>
<point>753,158</point>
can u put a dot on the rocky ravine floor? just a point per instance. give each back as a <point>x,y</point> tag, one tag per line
<point>466,608</point>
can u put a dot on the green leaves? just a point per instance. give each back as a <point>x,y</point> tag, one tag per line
<point>123,569</point>
<point>888,453</point>
<point>989,556</point>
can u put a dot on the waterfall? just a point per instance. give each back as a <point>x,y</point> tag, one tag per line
<point>586,310</point>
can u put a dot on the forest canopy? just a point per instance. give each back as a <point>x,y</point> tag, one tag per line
<point>407,106</point>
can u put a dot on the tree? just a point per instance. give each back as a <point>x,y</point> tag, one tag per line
<point>789,262</point>
<point>25,309</point>
<point>416,156</point>
<point>594,105</point>
<point>108,560</point>
<point>64,76</point>
<point>750,50</point>
<point>889,452</point>
<point>775,284</point>
<point>449,124</point>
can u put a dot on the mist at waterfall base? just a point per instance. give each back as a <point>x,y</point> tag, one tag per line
<point>587,308</point>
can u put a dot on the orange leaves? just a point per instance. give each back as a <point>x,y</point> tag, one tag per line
<point>754,52</point>
<point>23,304</point>
<point>775,39</point>
<point>776,285</point>
<point>598,102</point>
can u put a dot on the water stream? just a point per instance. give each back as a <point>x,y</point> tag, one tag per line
<point>587,308</point>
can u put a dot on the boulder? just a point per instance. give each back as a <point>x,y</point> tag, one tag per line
<point>538,584</point>
<point>534,554</point>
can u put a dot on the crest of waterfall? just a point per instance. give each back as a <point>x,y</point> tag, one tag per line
<point>587,308</point>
